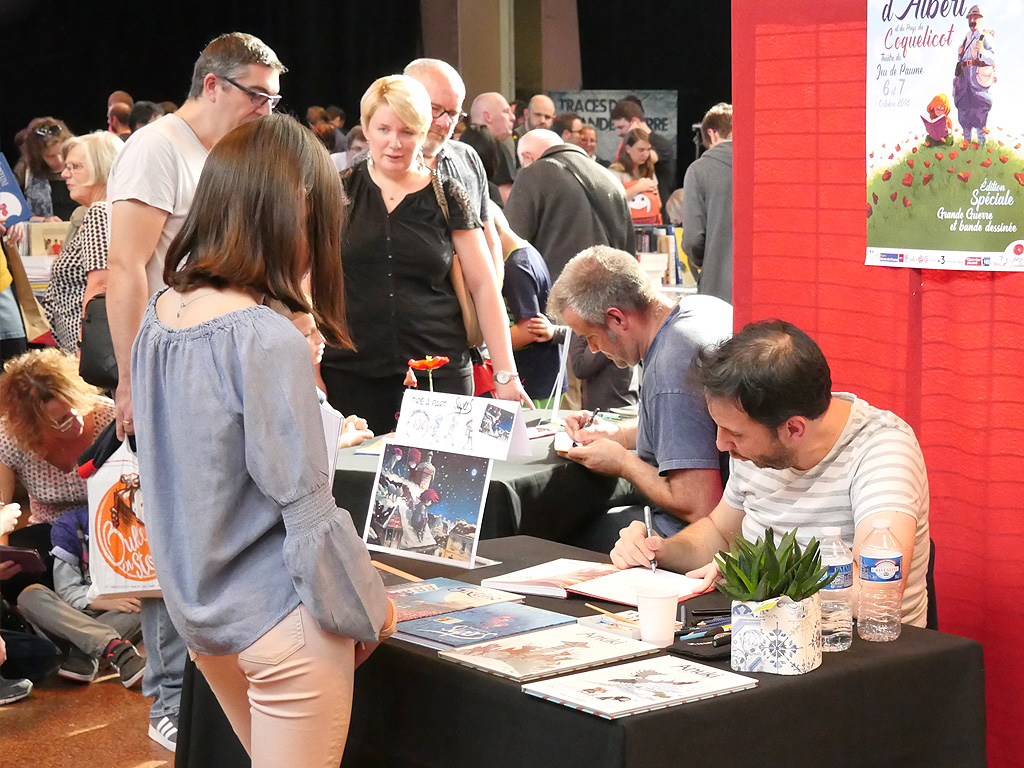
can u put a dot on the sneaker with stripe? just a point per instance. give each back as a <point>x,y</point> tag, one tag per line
<point>164,731</point>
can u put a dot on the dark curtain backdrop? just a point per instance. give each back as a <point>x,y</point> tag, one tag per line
<point>63,58</point>
<point>681,45</point>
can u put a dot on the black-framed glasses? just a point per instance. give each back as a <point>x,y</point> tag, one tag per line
<point>257,98</point>
<point>47,130</point>
<point>438,112</point>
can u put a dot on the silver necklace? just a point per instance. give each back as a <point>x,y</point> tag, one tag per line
<point>182,303</point>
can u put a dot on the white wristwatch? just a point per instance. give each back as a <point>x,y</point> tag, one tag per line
<point>504,377</point>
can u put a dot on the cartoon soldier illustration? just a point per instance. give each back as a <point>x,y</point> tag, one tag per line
<point>974,75</point>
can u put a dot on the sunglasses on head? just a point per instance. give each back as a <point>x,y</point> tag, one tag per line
<point>47,130</point>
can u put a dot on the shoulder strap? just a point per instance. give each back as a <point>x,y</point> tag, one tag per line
<point>435,182</point>
<point>586,190</point>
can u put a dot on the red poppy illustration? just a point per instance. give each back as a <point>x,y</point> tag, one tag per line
<point>1003,159</point>
<point>874,198</point>
<point>964,176</point>
<point>974,145</point>
<point>927,164</point>
<point>893,197</point>
<point>908,181</point>
<point>986,130</point>
<point>906,203</point>
<point>939,155</point>
<point>986,162</point>
<point>886,175</point>
<point>897,147</point>
<point>869,210</point>
<point>914,149</point>
<point>925,179</point>
<point>951,170</point>
<point>871,154</point>
<point>953,155</point>
<point>1020,178</point>
<point>910,162</point>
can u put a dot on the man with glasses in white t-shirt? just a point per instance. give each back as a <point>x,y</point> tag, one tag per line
<point>150,189</point>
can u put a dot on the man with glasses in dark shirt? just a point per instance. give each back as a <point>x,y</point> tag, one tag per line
<point>452,158</point>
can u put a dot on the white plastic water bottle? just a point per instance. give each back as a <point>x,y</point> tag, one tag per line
<point>836,605</point>
<point>880,603</point>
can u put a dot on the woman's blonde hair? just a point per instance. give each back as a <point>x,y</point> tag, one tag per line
<point>101,149</point>
<point>32,380</point>
<point>407,97</point>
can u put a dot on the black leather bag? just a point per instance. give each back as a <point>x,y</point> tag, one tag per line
<point>97,365</point>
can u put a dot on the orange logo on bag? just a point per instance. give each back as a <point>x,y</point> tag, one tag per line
<point>120,533</point>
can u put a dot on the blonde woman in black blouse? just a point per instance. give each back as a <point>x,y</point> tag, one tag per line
<point>397,256</point>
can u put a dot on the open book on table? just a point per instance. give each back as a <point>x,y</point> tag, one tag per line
<point>603,581</point>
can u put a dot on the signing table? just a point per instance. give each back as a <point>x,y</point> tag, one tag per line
<point>542,495</point>
<point>918,701</point>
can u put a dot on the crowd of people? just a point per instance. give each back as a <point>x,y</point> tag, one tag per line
<point>255,266</point>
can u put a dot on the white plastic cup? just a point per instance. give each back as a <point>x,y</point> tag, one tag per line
<point>657,607</point>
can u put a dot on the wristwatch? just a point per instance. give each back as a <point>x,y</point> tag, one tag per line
<point>504,377</point>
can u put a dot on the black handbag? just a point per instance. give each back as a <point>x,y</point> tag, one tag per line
<point>97,365</point>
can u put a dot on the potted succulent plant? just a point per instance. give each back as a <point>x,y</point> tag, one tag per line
<point>776,609</point>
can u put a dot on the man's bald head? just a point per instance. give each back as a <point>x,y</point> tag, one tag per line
<point>540,112</point>
<point>491,109</point>
<point>535,143</point>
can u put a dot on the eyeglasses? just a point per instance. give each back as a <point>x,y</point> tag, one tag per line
<point>72,167</point>
<point>47,130</point>
<point>257,98</point>
<point>67,422</point>
<point>438,112</point>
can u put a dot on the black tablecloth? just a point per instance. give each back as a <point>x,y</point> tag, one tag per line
<point>918,701</point>
<point>543,495</point>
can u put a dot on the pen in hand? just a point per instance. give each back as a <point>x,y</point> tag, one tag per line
<point>650,532</point>
<point>590,422</point>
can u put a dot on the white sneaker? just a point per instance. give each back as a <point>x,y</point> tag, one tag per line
<point>164,731</point>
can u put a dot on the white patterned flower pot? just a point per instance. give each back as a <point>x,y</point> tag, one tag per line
<point>784,639</point>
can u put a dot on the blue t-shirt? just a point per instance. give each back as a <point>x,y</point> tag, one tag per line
<point>674,430</point>
<point>526,288</point>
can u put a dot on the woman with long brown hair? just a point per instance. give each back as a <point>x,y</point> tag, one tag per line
<point>634,167</point>
<point>264,577</point>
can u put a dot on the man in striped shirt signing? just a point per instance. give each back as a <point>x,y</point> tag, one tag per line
<point>802,457</point>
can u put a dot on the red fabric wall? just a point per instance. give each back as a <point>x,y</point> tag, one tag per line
<point>943,349</point>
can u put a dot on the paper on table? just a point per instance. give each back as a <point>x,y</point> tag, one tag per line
<point>621,586</point>
<point>474,426</point>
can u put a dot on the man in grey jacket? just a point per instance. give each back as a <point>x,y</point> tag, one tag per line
<point>563,202</point>
<point>707,205</point>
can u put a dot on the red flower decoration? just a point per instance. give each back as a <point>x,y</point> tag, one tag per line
<point>1003,159</point>
<point>897,147</point>
<point>939,155</point>
<point>910,162</point>
<point>963,145</point>
<point>886,175</point>
<point>953,155</point>
<point>951,170</point>
<point>871,154</point>
<point>985,130</point>
<point>1020,178</point>
<point>874,198</point>
<point>925,179</point>
<point>908,181</point>
<point>429,363</point>
<point>927,164</point>
<point>906,203</point>
<point>974,145</point>
<point>893,197</point>
<point>914,149</point>
<point>1017,145</point>
<point>964,176</point>
<point>892,156</point>
<point>986,162</point>
<point>869,210</point>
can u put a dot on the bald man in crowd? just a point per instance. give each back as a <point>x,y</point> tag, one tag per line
<point>540,112</point>
<point>118,114</point>
<point>493,111</point>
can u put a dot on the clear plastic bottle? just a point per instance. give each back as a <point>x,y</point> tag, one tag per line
<point>879,604</point>
<point>836,605</point>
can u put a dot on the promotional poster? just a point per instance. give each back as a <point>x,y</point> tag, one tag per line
<point>945,128</point>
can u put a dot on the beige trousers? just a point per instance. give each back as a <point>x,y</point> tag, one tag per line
<point>288,696</point>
